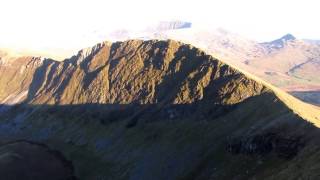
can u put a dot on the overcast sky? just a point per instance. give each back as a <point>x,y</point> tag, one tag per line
<point>72,23</point>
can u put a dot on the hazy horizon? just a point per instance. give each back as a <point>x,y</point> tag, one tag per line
<point>70,25</point>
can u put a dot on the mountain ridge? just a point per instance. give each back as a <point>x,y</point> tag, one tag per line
<point>104,47</point>
<point>270,63</point>
<point>159,110</point>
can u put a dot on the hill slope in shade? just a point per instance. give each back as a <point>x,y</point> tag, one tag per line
<point>162,110</point>
<point>30,161</point>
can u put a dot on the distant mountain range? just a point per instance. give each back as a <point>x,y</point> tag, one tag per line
<point>169,25</point>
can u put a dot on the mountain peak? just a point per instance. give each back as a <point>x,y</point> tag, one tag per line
<point>170,25</point>
<point>279,43</point>
<point>284,39</point>
<point>288,37</point>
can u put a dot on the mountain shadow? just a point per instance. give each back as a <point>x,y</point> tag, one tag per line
<point>28,160</point>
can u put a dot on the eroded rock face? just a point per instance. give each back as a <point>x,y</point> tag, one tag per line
<point>284,146</point>
<point>143,72</point>
<point>16,75</point>
<point>31,161</point>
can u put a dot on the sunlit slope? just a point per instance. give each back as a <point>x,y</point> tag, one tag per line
<point>143,72</point>
<point>307,111</point>
<point>16,74</point>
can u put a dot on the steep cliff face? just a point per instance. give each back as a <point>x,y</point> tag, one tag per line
<point>143,72</point>
<point>160,110</point>
<point>16,74</point>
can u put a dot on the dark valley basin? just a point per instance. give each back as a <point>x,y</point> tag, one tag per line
<point>27,160</point>
<point>151,110</point>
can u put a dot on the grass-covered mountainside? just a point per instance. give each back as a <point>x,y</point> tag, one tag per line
<point>158,110</point>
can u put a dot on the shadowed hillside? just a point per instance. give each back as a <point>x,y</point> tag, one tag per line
<point>163,110</point>
<point>29,161</point>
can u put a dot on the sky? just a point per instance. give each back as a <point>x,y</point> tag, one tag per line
<point>64,25</point>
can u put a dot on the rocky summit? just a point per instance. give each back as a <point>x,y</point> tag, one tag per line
<point>153,110</point>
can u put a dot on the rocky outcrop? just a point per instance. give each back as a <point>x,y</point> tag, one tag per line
<point>283,146</point>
